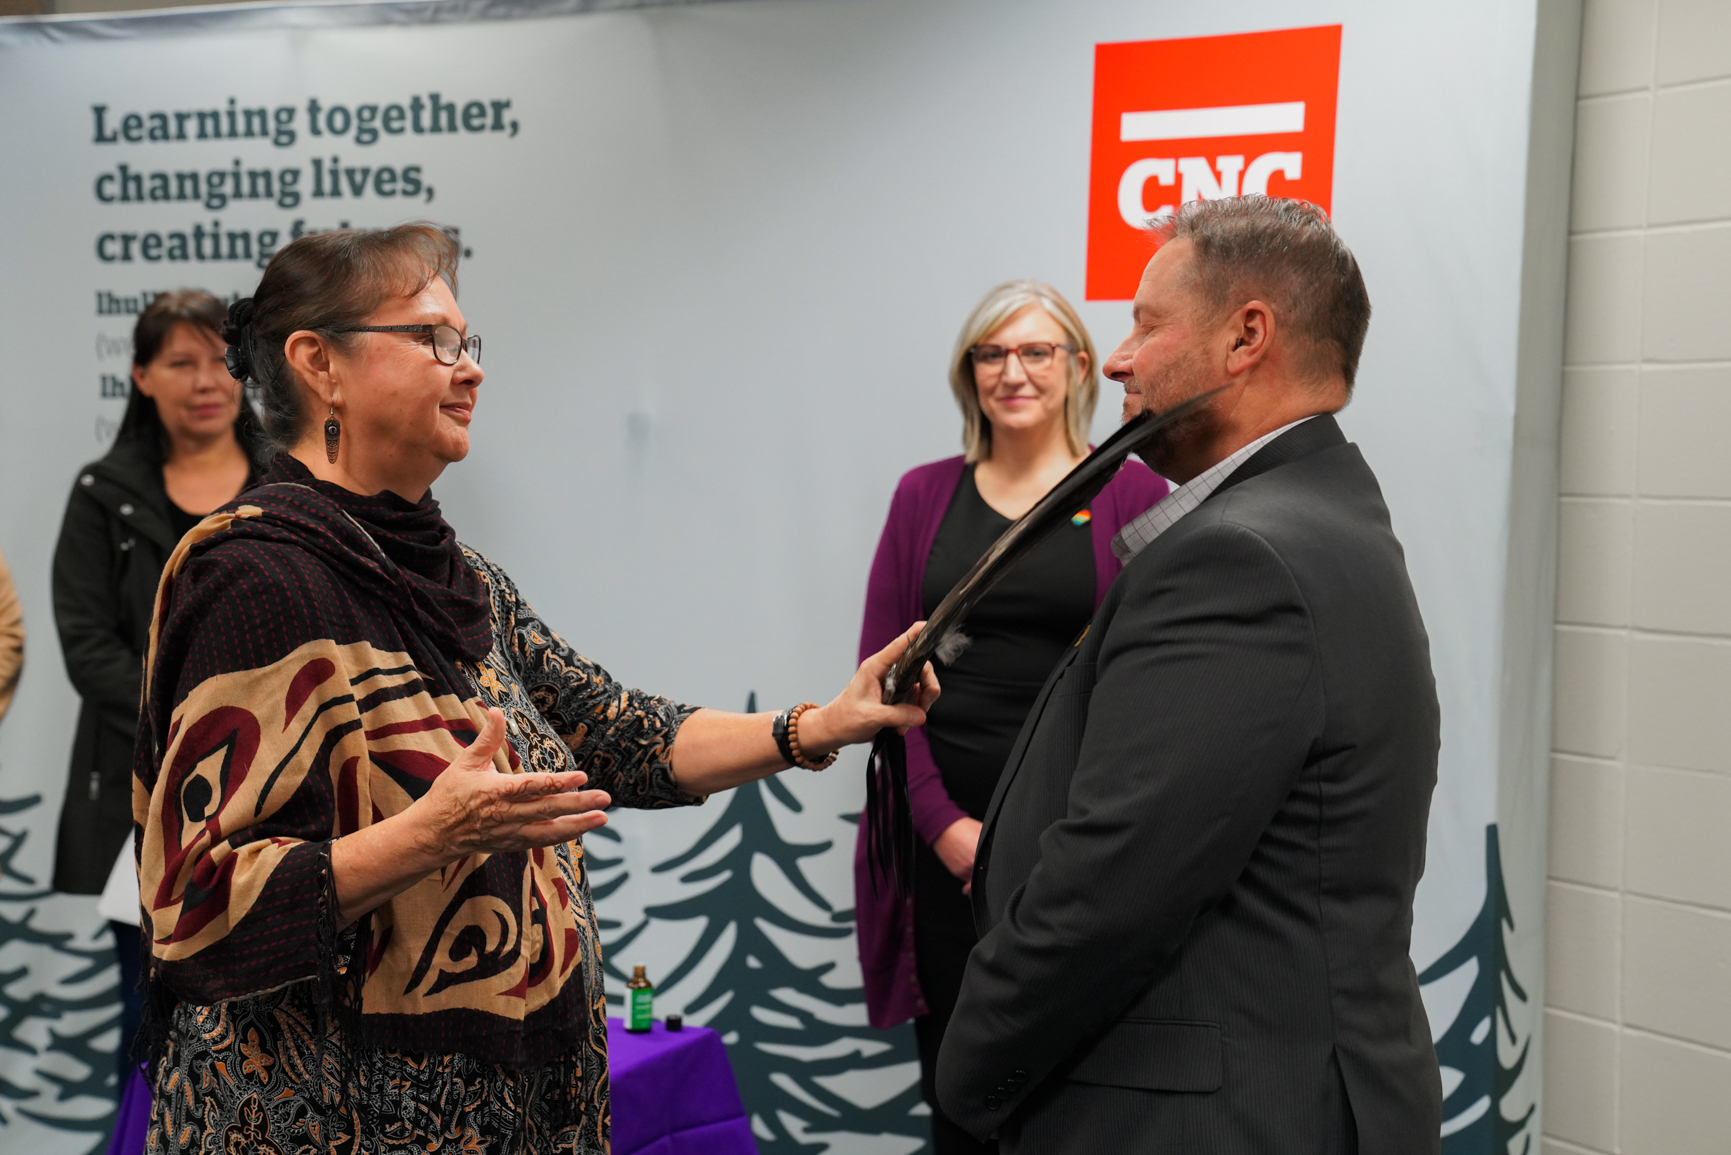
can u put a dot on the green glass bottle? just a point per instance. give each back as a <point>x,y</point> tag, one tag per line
<point>639,1002</point>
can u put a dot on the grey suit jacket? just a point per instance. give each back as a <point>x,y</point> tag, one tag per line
<point>1194,884</point>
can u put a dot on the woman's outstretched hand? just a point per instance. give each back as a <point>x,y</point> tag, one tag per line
<point>471,808</point>
<point>858,712</point>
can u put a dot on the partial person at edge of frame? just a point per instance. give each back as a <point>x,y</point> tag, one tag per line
<point>187,443</point>
<point>389,868</point>
<point>11,638</point>
<point>1025,376</point>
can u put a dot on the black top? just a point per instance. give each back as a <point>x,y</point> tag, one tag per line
<point>181,522</point>
<point>1018,631</point>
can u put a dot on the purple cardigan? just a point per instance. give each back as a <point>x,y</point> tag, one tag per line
<point>893,603</point>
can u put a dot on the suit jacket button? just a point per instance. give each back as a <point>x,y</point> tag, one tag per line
<point>1019,1074</point>
<point>993,1102</point>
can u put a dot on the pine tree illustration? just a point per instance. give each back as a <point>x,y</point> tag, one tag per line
<point>35,993</point>
<point>596,864</point>
<point>1473,1118</point>
<point>795,1043</point>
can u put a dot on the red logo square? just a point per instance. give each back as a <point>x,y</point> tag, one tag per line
<point>1211,116</point>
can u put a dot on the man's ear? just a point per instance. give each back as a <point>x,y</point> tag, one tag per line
<point>1254,336</point>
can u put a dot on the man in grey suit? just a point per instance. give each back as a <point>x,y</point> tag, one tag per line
<point>1194,884</point>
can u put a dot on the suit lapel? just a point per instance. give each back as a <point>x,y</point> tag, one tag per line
<point>1313,436</point>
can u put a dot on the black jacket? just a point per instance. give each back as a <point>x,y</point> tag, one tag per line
<point>114,541</point>
<point>1194,885</point>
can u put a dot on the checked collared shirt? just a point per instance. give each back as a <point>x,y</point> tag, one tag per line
<point>1164,514</point>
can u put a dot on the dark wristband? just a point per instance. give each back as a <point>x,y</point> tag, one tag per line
<point>779,729</point>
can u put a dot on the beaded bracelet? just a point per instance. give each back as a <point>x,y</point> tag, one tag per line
<point>799,758</point>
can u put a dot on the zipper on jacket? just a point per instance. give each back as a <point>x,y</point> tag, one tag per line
<point>95,785</point>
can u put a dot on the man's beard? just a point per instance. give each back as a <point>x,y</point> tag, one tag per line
<point>1179,381</point>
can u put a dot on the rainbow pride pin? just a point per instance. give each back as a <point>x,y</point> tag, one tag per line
<point>1082,518</point>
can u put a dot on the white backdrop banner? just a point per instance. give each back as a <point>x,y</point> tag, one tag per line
<point>719,254</point>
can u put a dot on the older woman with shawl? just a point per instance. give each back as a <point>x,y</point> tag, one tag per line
<point>365,764</point>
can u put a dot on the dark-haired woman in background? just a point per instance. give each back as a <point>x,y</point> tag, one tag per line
<point>187,444</point>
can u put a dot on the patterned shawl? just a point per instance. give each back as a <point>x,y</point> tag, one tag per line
<point>316,660</point>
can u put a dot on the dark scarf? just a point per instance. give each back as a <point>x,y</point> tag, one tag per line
<point>448,596</point>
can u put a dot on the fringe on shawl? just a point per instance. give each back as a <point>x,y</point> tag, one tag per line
<point>342,973</point>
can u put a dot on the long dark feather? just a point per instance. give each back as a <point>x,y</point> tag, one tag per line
<point>889,825</point>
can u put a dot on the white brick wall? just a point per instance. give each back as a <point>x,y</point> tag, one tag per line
<point>1638,975</point>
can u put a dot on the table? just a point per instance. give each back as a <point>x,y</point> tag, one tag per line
<point>132,1122</point>
<point>673,1094</point>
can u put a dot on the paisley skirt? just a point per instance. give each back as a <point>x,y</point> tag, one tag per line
<point>245,1076</point>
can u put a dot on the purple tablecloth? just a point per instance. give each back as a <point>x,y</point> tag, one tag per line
<point>133,1119</point>
<point>673,1094</point>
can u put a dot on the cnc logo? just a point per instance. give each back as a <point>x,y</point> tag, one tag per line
<point>1214,116</point>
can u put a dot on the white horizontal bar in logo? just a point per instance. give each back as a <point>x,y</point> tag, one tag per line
<point>1195,123</point>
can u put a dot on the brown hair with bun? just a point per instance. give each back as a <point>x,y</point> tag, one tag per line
<point>325,282</point>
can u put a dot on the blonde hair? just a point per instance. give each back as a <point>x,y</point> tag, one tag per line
<point>988,316</point>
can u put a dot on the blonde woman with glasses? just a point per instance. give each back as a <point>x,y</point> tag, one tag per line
<point>1024,374</point>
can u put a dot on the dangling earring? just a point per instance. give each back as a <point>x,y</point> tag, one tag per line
<point>333,434</point>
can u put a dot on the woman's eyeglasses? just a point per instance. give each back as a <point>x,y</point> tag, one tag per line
<point>1034,356</point>
<point>448,344</point>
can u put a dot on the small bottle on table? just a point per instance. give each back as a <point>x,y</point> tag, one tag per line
<point>639,1002</point>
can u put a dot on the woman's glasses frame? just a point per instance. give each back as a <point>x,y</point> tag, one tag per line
<point>451,347</point>
<point>1035,356</point>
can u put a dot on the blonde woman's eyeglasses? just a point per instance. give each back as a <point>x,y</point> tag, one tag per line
<point>1034,356</point>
